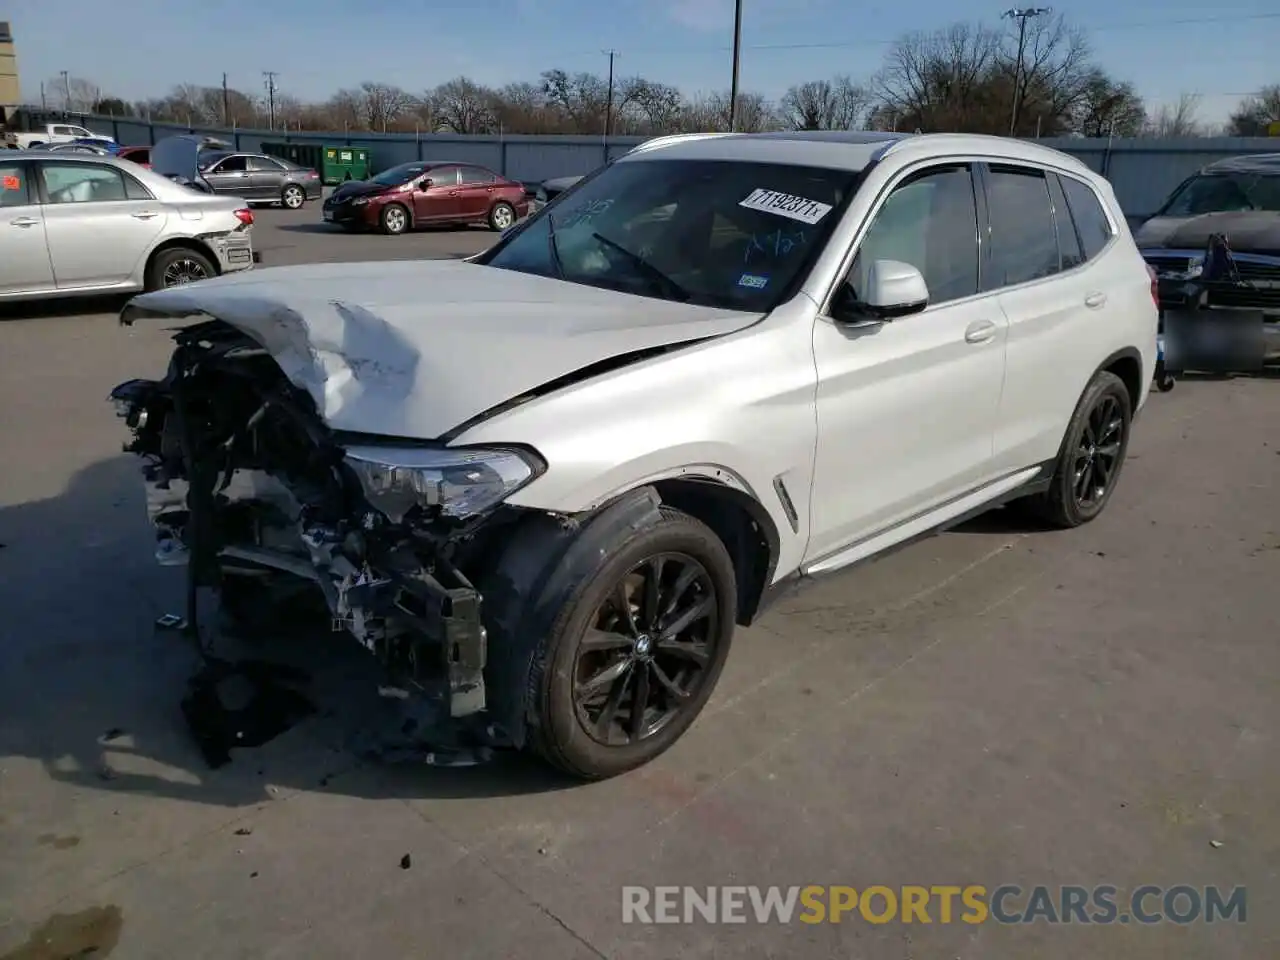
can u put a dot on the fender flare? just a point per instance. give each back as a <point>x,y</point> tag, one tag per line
<point>545,558</point>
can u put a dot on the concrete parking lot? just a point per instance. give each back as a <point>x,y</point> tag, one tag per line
<point>993,706</point>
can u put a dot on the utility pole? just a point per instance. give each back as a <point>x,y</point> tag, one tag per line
<point>271,97</point>
<point>66,90</point>
<point>44,102</point>
<point>1022,15</point>
<point>226,103</point>
<point>737,59</point>
<point>608,109</point>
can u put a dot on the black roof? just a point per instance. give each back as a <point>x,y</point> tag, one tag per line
<point>1250,163</point>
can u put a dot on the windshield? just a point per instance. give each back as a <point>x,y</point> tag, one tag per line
<point>726,234</point>
<point>398,175</point>
<point>1225,193</point>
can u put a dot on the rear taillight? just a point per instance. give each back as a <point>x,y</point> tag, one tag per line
<point>1155,284</point>
<point>312,175</point>
<point>245,216</point>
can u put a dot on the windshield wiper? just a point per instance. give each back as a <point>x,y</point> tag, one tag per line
<point>673,288</point>
<point>552,248</point>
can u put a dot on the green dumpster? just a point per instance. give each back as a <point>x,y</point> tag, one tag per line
<point>335,164</point>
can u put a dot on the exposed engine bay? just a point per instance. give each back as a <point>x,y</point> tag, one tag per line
<point>249,489</point>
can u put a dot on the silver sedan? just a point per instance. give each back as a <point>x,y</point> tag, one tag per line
<point>73,223</point>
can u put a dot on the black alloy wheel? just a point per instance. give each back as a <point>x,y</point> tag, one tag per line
<point>1098,453</point>
<point>1091,457</point>
<point>647,653</point>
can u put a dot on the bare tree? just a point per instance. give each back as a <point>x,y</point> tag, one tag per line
<point>1107,108</point>
<point>1055,73</point>
<point>380,105</point>
<point>522,108</point>
<point>1176,119</point>
<point>74,94</point>
<point>464,106</point>
<point>837,104</point>
<point>939,81</point>
<point>1254,115</point>
<point>656,106</point>
<point>581,97</point>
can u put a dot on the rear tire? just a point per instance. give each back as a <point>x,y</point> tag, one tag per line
<point>647,648</point>
<point>1091,458</point>
<point>394,219</point>
<point>502,216</point>
<point>293,197</point>
<point>177,266</point>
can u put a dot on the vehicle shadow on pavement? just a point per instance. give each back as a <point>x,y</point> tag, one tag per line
<point>62,307</point>
<point>91,687</point>
<point>331,229</point>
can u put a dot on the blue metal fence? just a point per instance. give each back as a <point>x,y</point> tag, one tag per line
<point>1143,171</point>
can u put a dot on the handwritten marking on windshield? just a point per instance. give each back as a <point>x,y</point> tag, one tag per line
<point>776,244</point>
<point>584,215</point>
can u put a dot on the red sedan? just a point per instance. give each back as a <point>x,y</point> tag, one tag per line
<point>426,193</point>
<point>139,155</point>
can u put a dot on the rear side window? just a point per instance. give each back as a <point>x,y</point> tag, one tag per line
<point>1090,219</point>
<point>1024,238</point>
<point>444,176</point>
<point>476,175</point>
<point>265,164</point>
<point>14,189</point>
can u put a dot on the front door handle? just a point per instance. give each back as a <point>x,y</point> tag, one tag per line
<point>979,332</point>
<point>1094,300</point>
<point>24,222</point>
<point>145,215</point>
<point>453,193</point>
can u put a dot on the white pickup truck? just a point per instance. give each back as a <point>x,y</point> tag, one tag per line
<point>52,133</point>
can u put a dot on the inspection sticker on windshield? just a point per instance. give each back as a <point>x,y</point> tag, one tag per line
<point>753,281</point>
<point>786,205</point>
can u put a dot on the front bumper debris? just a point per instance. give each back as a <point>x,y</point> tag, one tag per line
<point>248,490</point>
<point>235,252</point>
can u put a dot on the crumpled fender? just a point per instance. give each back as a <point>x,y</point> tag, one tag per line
<point>542,565</point>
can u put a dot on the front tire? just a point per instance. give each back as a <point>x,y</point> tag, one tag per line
<point>178,266</point>
<point>502,216</point>
<point>292,198</point>
<point>1092,455</point>
<point>635,653</point>
<point>394,219</point>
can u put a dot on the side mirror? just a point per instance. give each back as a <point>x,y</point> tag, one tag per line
<point>425,184</point>
<point>894,290</point>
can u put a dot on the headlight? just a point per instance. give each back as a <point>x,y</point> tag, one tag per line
<point>359,201</point>
<point>459,483</point>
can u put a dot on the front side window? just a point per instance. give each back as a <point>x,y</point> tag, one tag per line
<point>232,165</point>
<point>930,221</point>
<point>398,176</point>
<point>82,183</point>
<point>1224,193</point>
<point>1024,236</point>
<point>728,234</point>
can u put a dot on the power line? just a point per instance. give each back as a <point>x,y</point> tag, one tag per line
<point>271,97</point>
<point>883,42</point>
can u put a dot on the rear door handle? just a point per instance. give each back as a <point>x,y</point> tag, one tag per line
<point>145,215</point>
<point>1094,300</point>
<point>24,222</point>
<point>980,332</point>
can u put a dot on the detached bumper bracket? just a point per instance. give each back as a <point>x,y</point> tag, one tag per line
<point>450,616</point>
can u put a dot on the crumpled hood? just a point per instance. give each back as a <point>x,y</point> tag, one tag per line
<point>1252,231</point>
<point>416,348</point>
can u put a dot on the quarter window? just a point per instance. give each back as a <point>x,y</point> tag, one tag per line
<point>930,222</point>
<point>82,183</point>
<point>1072,253</point>
<point>1024,240</point>
<point>1091,220</point>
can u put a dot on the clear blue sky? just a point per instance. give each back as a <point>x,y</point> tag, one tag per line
<point>140,48</point>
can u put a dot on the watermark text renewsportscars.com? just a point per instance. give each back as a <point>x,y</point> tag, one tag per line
<point>971,904</point>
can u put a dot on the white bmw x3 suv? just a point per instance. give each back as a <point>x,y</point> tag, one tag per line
<point>544,485</point>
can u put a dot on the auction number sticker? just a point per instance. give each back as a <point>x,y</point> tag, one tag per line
<point>786,205</point>
<point>12,183</point>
